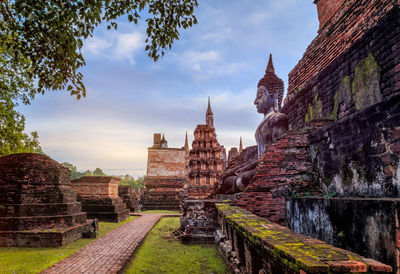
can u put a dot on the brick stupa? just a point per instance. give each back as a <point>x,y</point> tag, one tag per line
<point>38,207</point>
<point>99,196</point>
<point>206,159</point>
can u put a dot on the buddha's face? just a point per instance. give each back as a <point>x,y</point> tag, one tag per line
<point>264,102</point>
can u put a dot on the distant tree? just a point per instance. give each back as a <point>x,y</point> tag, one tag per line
<point>128,180</point>
<point>75,174</point>
<point>98,172</point>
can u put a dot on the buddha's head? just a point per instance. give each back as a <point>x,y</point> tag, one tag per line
<point>265,102</point>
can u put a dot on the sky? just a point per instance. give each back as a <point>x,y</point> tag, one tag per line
<point>130,97</point>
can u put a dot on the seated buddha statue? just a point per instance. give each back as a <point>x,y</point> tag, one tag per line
<point>236,177</point>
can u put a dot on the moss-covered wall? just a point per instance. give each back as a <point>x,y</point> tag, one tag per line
<point>363,75</point>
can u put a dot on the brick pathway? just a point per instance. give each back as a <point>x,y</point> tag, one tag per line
<point>110,253</point>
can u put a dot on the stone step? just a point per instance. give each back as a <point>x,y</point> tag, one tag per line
<point>40,222</point>
<point>48,238</point>
<point>21,210</point>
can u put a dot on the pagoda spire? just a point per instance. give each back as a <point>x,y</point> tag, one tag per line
<point>240,145</point>
<point>209,115</point>
<point>186,143</point>
<point>270,66</point>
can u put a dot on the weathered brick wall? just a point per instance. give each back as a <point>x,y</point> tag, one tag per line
<point>369,227</point>
<point>96,186</point>
<point>162,193</point>
<point>346,27</point>
<point>326,10</point>
<point>284,169</point>
<point>360,155</point>
<point>166,162</point>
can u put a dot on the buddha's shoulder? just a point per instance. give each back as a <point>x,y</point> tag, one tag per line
<point>278,116</point>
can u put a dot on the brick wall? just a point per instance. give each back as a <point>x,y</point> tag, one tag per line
<point>166,162</point>
<point>346,27</point>
<point>96,186</point>
<point>285,169</point>
<point>326,9</point>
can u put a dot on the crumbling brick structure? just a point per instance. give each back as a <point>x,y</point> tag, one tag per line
<point>166,175</point>
<point>129,196</point>
<point>206,159</point>
<point>99,196</point>
<point>38,207</point>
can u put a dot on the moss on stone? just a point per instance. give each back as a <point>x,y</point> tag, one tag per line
<point>314,110</point>
<point>335,108</point>
<point>365,86</point>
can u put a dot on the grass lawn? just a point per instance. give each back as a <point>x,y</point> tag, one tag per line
<point>162,211</point>
<point>35,259</point>
<point>162,253</point>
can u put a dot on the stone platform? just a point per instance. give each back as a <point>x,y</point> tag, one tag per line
<point>99,197</point>
<point>255,245</point>
<point>37,205</point>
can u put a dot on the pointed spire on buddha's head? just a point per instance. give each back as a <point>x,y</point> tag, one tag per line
<point>240,145</point>
<point>270,66</point>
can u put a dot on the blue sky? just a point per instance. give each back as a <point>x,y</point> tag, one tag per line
<point>129,97</point>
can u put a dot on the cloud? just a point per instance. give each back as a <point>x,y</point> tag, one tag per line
<point>127,44</point>
<point>114,46</point>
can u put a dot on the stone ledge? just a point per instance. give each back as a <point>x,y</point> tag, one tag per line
<point>294,251</point>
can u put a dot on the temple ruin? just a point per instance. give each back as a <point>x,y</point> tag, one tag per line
<point>206,159</point>
<point>166,175</point>
<point>99,197</point>
<point>38,207</point>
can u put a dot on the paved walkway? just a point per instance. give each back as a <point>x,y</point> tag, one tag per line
<point>110,253</point>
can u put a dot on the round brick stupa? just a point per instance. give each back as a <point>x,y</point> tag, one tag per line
<point>37,204</point>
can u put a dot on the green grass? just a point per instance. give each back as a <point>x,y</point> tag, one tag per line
<point>162,211</point>
<point>162,253</point>
<point>35,259</point>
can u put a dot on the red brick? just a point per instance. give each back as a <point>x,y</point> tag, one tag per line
<point>347,266</point>
<point>377,266</point>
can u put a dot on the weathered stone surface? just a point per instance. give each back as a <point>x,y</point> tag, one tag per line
<point>37,204</point>
<point>99,197</point>
<point>362,225</point>
<point>355,156</point>
<point>198,221</point>
<point>263,245</point>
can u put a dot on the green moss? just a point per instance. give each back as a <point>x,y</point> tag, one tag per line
<point>314,110</point>
<point>162,253</point>
<point>37,259</point>
<point>365,86</point>
<point>335,109</point>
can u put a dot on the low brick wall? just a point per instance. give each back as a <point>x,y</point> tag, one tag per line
<point>256,245</point>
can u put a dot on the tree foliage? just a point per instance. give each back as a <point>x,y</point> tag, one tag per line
<point>42,39</point>
<point>12,136</point>
<point>128,180</point>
